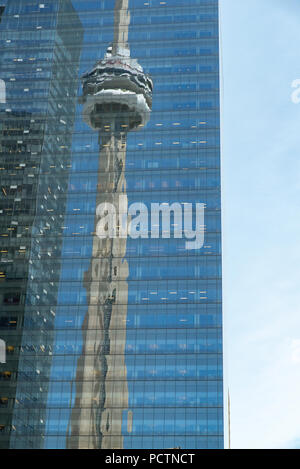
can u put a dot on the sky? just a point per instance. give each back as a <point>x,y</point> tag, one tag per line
<point>261,223</point>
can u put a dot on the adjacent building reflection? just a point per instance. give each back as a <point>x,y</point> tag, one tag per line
<point>117,99</point>
<point>35,153</point>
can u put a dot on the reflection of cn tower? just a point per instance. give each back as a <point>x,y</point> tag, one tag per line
<point>117,98</point>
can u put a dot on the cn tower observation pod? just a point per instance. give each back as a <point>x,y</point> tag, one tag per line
<point>118,90</point>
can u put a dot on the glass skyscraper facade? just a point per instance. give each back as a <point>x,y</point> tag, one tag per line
<point>112,319</point>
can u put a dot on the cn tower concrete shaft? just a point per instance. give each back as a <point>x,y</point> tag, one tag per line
<point>101,382</point>
<point>117,98</point>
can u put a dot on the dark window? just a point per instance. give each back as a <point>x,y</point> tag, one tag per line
<point>8,322</point>
<point>11,298</point>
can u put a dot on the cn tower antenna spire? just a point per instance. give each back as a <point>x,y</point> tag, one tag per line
<point>122,20</point>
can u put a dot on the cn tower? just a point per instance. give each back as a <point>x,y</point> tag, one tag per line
<point>117,99</point>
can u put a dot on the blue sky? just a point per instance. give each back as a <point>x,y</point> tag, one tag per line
<point>261,185</point>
